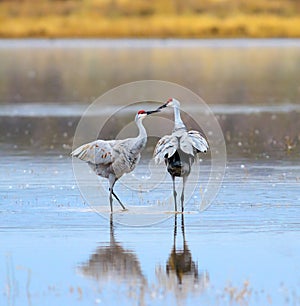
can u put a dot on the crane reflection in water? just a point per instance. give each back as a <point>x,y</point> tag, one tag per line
<point>179,277</point>
<point>113,262</point>
<point>181,274</point>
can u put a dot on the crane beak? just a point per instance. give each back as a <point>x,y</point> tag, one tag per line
<point>162,106</point>
<point>151,112</point>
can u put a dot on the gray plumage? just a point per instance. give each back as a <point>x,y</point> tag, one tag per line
<point>112,158</point>
<point>179,149</point>
<point>190,142</point>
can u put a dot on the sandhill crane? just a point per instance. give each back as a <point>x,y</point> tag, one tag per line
<point>112,158</point>
<point>179,149</point>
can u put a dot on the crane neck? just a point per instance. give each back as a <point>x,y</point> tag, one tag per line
<point>142,130</point>
<point>177,119</point>
<point>141,139</point>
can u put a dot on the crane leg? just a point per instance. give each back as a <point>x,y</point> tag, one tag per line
<point>112,181</point>
<point>110,199</point>
<point>174,193</point>
<point>182,193</point>
<point>116,197</point>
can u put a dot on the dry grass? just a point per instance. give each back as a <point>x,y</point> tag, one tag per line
<point>142,18</point>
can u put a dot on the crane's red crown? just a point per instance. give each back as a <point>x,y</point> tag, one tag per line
<point>169,100</point>
<point>141,112</point>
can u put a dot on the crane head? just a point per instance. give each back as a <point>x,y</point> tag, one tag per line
<point>170,103</point>
<point>143,114</point>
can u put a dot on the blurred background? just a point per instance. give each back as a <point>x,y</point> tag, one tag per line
<point>143,18</point>
<point>242,57</point>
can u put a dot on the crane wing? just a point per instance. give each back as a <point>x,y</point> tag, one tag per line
<point>186,144</point>
<point>198,141</point>
<point>96,152</point>
<point>165,147</point>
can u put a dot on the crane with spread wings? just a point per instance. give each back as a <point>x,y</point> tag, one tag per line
<point>112,158</point>
<point>179,149</point>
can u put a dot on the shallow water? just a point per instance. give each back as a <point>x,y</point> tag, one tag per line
<point>243,250</point>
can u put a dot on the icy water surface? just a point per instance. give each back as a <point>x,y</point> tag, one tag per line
<point>243,250</point>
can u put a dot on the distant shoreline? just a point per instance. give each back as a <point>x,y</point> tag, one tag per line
<point>160,26</point>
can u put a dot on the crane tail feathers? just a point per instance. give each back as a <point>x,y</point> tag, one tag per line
<point>96,152</point>
<point>80,152</point>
